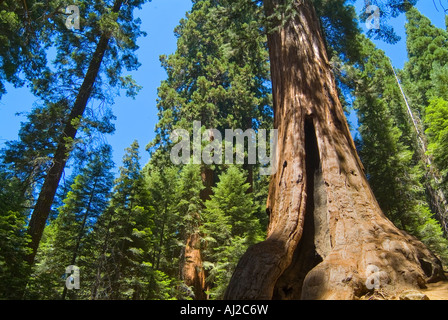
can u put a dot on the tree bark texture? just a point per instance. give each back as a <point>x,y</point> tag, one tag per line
<point>327,234</point>
<point>46,195</point>
<point>193,273</point>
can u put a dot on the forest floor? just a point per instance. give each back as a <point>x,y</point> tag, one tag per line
<point>433,291</point>
<point>437,291</point>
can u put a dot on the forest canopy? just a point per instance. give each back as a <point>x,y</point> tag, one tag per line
<point>182,230</point>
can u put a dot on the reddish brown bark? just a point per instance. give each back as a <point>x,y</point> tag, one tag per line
<point>326,229</point>
<point>193,273</point>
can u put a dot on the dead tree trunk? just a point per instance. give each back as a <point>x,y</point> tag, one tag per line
<point>327,232</point>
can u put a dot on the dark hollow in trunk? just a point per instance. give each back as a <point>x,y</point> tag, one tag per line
<point>315,242</point>
<point>326,232</point>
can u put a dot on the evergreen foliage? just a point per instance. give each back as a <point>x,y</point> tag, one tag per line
<point>427,47</point>
<point>128,232</point>
<point>123,235</point>
<point>67,239</point>
<point>388,147</point>
<point>230,227</point>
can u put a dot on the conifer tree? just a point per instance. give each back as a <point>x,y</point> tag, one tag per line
<point>392,169</point>
<point>167,239</point>
<point>426,45</point>
<point>95,61</point>
<point>66,239</point>
<point>189,209</point>
<point>230,226</point>
<point>161,182</point>
<point>13,238</point>
<point>122,235</point>
<point>436,120</point>
<point>428,53</point>
<point>218,76</point>
<point>23,53</point>
<point>29,158</point>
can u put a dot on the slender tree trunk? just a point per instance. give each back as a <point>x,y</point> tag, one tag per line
<point>326,233</point>
<point>46,196</point>
<point>80,234</point>
<point>102,260</point>
<point>437,199</point>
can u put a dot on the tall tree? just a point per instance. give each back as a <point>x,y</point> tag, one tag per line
<point>426,46</point>
<point>66,238</point>
<point>326,228</point>
<point>22,53</point>
<point>218,76</point>
<point>110,33</point>
<point>13,238</point>
<point>436,120</point>
<point>189,209</point>
<point>394,173</point>
<point>123,235</point>
<point>230,225</point>
<point>161,182</point>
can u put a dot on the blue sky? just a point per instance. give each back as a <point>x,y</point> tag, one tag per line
<point>136,119</point>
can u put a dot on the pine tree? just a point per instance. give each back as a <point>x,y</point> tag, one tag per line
<point>96,60</point>
<point>436,120</point>
<point>230,226</point>
<point>66,239</point>
<point>22,51</point>
<point>427,45</point>
<point>13,239</point>
<point>219,76</point>
<point>423,75</point>
<point>29,158</point>
<point>189,210</point>
<point>122,235</point>
<point>161,183</point>
<point>165,249</point>
<point>392,169</point>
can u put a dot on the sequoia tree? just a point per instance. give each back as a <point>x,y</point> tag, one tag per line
<point>217,76</point>
<point>327,237</point>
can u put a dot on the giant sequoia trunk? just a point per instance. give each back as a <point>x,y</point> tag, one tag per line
<point>327,232</point>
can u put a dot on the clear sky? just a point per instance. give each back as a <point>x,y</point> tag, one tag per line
<point>136,119</point>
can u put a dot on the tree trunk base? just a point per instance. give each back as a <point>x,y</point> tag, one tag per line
<point>193,273</point>
<point>327,236</point>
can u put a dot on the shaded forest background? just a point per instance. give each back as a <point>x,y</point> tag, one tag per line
<point>166,231</point>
